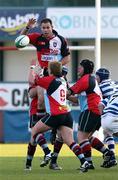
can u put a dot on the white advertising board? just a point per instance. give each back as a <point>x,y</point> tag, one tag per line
<point>14,96</point>
<point>81,22</point>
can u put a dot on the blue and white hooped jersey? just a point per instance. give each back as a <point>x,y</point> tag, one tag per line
<point>111,105</point>
<point>107,88</point>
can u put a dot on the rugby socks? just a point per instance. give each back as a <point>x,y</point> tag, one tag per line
<point>86,149</point>
<point>40,139</point>
<point>110,142</point>
<point>111,146</point>
<point>77,151</point>
<point>57,147</point>
<point>98,145</point>
<point>30,154</point>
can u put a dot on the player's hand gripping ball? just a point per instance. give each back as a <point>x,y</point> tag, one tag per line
<point>22,41</point>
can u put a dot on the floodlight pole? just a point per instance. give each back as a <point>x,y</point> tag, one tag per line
<point>98,35</point>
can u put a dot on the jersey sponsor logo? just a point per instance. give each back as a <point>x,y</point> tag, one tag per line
<point>47,58</point>
<point>65,108</point>
<point>54,51</point>
<point>50,51</point>
<point>50,57</point>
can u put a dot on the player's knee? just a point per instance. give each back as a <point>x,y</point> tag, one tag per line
<point>59,138</point>
<point>106,125</point>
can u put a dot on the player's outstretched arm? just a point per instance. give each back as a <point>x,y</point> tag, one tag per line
<point>31,23</point>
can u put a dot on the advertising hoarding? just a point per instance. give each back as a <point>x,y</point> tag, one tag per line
<point>81,22</point>
<point>12,21</point>
<point>14,96</point>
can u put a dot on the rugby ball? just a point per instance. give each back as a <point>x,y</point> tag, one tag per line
<point>22,41</point>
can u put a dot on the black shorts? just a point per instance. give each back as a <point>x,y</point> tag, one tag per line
<point>89,121</point>
<point>59,120</point>
<point>35,118</point>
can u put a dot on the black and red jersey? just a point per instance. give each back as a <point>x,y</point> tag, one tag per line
<point>90,93</point>
<point>49,49</point>
<point>55,94</point>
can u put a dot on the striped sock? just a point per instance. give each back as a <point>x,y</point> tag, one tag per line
<point>77,151</point>
<point>98,145</point>
<point>57,148</point>
<point>110,142</point>
<point>40,139</point>
<point>86,149</point>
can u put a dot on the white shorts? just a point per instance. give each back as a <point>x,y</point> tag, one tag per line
<point>110,123</point>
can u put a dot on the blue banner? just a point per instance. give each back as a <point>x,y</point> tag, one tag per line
<point>13,20</point>
<point>15,126</point>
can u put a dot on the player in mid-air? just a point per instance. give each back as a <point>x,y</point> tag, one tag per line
<point>50,45</point>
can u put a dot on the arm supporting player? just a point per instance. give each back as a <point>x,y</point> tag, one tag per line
<point>32,92</point>
<point>65,60</point>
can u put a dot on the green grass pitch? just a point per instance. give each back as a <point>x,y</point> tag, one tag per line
<point>12,168</point>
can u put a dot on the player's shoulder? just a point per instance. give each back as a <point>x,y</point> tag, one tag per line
<point>34,34</point>
<point>86,76</point>
<point>58,35</point>
<point>61,38</point>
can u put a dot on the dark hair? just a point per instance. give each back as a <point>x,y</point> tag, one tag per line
<point>46,20</point>
<point>87,65</point>
<point>55,68</point>
<point>103,73</point>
